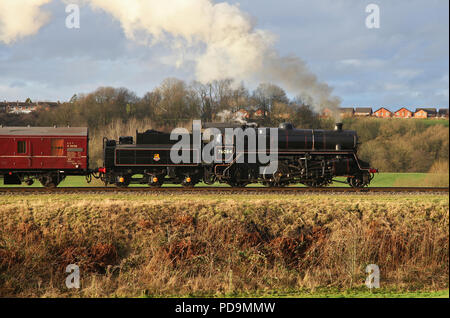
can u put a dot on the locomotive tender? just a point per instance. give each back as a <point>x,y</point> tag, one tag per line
<point>311,157</point>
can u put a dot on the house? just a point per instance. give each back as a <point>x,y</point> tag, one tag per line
<point>443,113</point>
<point>326,113</point>
<point>425,113</point>
<point>48,105</point>
<point>403,113</point>
<point>21,108</point>
<point>25,107</point>
<point>382,113</point>
<point>420,113</point>
<point>346,112</point>
<point>242,113</point>
<point>432,112</point>
<point>363,111</point>
<point>260,113</point>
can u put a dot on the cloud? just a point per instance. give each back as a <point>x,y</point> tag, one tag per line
<point>394,87</point>
<point>365,63</point>
<point>17,84</point>
<point>232,46</point>
<point>407,73</point>
<point>387,66</point>
<point>21,18</point>
<point>442,93</point>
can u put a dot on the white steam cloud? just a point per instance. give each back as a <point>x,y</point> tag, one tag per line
<point>231,45</point>
<point>220,38</point>
<point>21,18</point>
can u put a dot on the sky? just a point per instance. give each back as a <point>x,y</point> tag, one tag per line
<point>404,62</point>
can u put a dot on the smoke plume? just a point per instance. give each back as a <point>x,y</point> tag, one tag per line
<point>231,45</point>
<point>20,18</point>
<point>220,38</point>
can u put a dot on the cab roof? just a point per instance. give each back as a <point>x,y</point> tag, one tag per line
<point>43,131</point>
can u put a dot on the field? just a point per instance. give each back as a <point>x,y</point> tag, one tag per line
<point>380,180</point>
<point>159,245</point>
<point>433,122</point>
<point>426,122</point>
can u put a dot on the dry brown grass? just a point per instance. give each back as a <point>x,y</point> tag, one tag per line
<point>438,175</point>
<point>131,247</point>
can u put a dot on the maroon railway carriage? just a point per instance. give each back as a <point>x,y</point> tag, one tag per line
<point>47,154</point>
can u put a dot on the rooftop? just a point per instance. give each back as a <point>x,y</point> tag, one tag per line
<point>43,131</point>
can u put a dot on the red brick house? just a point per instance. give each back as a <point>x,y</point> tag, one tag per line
<point>420,113</point>
<point>425,113</point>
<point>382,113</point>
<point>403,113</point>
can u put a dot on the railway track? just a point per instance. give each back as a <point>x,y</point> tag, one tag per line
<point>228,190</point>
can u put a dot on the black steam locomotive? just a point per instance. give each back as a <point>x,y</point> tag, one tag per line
<point>311,157</point>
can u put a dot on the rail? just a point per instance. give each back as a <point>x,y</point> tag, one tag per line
<point>293,190</point>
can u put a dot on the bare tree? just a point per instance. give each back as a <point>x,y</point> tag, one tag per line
<point>267,94</point>
<point>203,94</point>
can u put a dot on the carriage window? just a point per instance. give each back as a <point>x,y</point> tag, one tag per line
<point>21,147</point>
<point>57,147</point>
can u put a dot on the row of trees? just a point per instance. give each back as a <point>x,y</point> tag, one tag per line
<point>174,102</point>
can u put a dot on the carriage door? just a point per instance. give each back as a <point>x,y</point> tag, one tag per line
<point>23,150</point>
<point>57,148</point>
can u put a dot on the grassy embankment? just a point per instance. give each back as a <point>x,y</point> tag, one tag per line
<point>235,246</point>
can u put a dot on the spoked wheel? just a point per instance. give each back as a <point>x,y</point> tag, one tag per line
<point>50,181</point>
<point>317,183</point>
<point>279,179</point>
<point>189,182</point>
<point>239,177</point>
<point>123,182</point>
<point>237,184</point>
<point>274,184</point>
<point>313,184</point>
<point>357,181</point>
<point>156,181</point>
<point>209,177</point>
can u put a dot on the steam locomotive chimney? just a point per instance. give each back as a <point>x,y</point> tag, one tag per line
<point>338,127</point>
